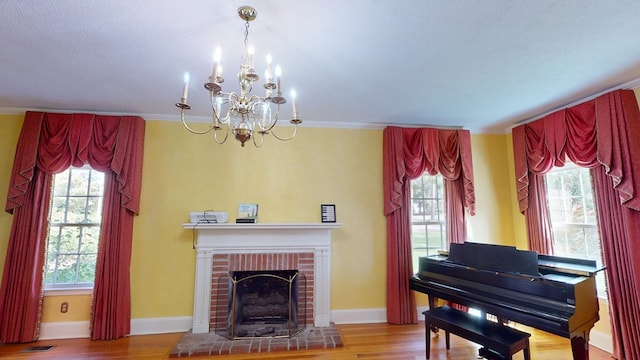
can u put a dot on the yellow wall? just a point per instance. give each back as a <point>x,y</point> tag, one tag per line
<point>9,130</point>
<point>184,172</point>
<point>78,308</point>
<point>493,222</point>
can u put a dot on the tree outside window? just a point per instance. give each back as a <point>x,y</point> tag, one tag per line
<point>573,216</point>
<point>428,222</point>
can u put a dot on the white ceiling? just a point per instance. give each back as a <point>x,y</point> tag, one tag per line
<point>480,64</point>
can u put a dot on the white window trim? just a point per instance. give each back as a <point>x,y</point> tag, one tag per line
<point>70,291</point>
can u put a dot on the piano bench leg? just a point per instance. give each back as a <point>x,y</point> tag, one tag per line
<point>446,340</point>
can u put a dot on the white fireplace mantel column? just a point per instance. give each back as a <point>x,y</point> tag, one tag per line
<point>262,238</point>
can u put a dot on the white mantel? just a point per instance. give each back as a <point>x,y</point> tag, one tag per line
<point>262,238</point>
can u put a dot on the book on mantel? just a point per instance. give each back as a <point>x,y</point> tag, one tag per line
<point>247,214</point>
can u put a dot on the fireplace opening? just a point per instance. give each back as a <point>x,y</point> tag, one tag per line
<point>262,303</point>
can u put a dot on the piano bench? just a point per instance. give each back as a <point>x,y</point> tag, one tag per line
<point>500,341</point>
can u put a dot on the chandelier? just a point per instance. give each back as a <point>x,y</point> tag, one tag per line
<point>246,115</point>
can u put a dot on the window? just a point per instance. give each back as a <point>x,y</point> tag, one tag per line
<point>75,216</point>
<point>573,216</point>
<point>428,222</point>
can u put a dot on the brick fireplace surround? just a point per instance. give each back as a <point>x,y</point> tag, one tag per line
<point>224,263</point>
<point>304,247</point>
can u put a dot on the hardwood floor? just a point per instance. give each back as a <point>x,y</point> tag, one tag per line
<point>361,341</point>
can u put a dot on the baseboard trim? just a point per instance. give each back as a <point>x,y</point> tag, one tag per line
<point>601,340</point>
<point>165,325</point>
<point>359,316</point>
<point>147,326</point>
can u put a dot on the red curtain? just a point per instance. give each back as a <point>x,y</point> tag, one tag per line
<point>538,217</point>
<point>48,144</point>
<point>602,134</point>
<point>407,153</point>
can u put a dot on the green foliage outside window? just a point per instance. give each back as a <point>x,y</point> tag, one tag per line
<point>573,215</point>
<point>428,222</point>
<point>74,227</point>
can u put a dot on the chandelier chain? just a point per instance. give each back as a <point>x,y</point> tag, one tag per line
<point>246,34</point>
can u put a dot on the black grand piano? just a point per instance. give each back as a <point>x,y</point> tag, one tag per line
<point>550,293</point>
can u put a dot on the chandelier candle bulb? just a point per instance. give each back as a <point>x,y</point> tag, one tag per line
<point>278,73</point>
<point>185,88</point>
<point>251,50</point>
<point>293,103</point>
<point>216,64</point>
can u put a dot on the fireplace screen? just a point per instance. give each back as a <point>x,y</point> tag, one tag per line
<point>265,303</point>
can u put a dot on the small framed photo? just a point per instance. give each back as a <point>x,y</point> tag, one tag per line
<point>328,213</point>
<point>247,214</point>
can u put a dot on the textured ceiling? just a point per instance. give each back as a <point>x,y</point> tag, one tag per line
<point>479,64</point>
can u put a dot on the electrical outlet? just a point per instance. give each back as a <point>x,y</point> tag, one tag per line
<point>64,307</point>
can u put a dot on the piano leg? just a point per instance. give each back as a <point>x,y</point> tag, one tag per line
<point>432,305</point>
<point>432,302</point>
<point>580,347</point>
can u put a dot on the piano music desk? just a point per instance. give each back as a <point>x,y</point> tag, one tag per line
<point>500,340</point>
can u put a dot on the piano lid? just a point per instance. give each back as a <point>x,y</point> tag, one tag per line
<point>573,266</point>
<point>495,258</point>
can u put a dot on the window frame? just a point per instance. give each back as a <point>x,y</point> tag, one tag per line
<point>565,226</point>
<point>52,224</point>
<point>424,249</point>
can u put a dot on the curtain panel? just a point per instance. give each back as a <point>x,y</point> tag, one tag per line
<point>407,153</point>
<point>602,134</point>
<point>49,143</point>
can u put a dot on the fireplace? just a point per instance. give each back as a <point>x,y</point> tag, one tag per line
<point>222,248</point>
<point>264,303</point>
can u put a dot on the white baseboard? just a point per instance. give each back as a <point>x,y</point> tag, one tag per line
<point>80,329</point>
<point>161,325</point>
<point>359,316</point>
<point>601,341</point>
<point>146,326</point>
<point>365,316</point>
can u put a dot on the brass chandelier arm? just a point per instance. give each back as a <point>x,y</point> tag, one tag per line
<point>295,131</point>
<point>215,136</point>
<point>184,122</point>
<point>261,139</point>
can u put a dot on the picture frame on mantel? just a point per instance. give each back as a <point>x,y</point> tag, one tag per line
<point>328,213</point>
<point>247,214</point>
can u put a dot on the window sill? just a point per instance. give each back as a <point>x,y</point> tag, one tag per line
<point>68,291</point>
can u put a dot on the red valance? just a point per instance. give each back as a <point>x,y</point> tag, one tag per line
<point>53,142</point>
<point>436,151</point>
<point>592,133</point>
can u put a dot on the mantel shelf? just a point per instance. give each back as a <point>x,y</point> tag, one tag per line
<point>261,226</point>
